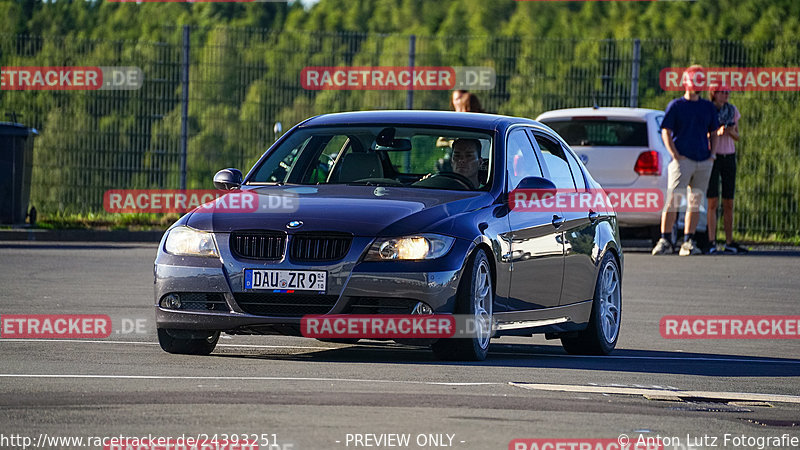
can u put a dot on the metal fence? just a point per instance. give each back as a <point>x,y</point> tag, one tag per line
<point>240,82</point>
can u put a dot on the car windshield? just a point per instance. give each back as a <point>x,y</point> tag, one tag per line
<point>601,133</point>
<point>417,157</point>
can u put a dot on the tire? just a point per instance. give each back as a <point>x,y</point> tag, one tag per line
<point>601,336</point>
<point>475,298</point>
<point>184,342</point>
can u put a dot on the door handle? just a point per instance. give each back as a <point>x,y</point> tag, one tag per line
<point>558,220</point>
<point>593,216</point>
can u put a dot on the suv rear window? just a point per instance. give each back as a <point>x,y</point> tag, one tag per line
<point>601,133</point>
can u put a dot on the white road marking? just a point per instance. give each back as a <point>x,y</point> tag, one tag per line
<point>183,377</point>
<point>730,396</point>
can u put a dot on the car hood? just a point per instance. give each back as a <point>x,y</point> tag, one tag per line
<point>360,210</point>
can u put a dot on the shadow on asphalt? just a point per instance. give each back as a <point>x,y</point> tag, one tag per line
<point>550,357</point>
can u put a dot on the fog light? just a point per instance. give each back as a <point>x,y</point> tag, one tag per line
<point>422,308</point>
<point>171,301</point>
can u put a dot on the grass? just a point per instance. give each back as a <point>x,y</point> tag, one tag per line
<point>763,238</point>
<point>106,221</point>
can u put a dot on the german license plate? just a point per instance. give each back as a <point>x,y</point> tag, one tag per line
<point>296,280</point>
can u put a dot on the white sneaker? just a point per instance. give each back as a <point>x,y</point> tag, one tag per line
<point>663,247</point>
<point>689,248</point>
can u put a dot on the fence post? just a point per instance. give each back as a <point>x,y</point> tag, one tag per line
<point>184,103</point>
<point>637,60</point>
<point>412,50</point>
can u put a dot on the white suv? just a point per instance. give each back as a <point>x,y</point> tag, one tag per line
<point>621,147</point>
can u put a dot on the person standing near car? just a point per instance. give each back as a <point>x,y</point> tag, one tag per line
<point>465,101</point>
<point>722,145</point>
<point>685,129</point>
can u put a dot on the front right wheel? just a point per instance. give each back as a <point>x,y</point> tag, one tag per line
<point>186,342</point>
<point>475,298</point>
<point>600,337</point>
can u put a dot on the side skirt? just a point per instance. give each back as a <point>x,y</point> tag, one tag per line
<point>551,321</point>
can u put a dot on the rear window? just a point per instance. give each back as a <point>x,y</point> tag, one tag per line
<point>601,133</point>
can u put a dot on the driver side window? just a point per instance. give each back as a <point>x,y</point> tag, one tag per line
<point>320,169</point>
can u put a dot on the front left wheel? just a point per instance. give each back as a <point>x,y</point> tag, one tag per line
<point>475,299</point>
<point>186,342</point>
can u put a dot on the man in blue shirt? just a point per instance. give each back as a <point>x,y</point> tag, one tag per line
<point>688,121</point>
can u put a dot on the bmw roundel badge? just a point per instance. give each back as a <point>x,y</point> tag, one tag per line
<point>294,224</point>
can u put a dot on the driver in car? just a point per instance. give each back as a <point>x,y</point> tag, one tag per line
<point>466,159</point>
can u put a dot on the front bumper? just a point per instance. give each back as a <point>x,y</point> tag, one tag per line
<point>352,287</point>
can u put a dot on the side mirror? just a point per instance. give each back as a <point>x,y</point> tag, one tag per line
<point>530,187</point>
<point>536,183</point>
<point>228,179</point>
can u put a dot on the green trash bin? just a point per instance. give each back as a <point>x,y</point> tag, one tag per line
<point>16,164</point>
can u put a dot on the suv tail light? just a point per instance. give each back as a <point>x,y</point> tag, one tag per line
<point>648,163</point>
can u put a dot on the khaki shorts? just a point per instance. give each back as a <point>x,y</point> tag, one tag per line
<point>687,173</point>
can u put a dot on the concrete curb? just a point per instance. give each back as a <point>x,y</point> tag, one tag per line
<point>80,235</point>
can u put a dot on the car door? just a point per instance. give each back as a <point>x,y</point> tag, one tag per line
<point>536,252</point>
<point>580,220</point>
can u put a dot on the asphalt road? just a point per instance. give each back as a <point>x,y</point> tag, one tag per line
<point>305,394</point>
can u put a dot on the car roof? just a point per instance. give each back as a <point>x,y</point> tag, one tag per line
<point>612,113</point>
<point>417,117</point>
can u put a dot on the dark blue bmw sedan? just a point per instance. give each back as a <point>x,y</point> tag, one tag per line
<point>398,212</point>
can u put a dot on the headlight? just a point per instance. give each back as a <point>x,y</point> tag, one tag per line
<point>188,241</point>
<point>423,246</point>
